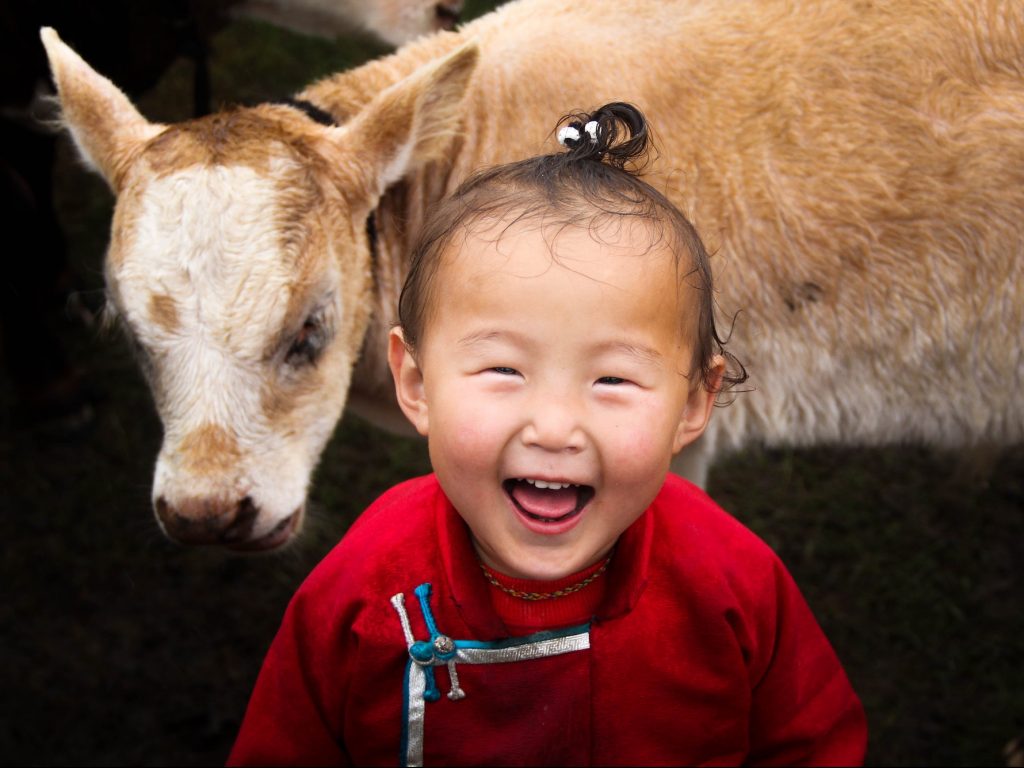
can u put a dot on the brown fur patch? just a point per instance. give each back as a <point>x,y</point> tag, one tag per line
<point>246,136</point>
<point>163,311</point>
<point>208,451</point>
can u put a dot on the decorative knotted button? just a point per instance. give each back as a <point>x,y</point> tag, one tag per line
<point>428,653</point>
<point>422,652</point>
<point>444,647</point>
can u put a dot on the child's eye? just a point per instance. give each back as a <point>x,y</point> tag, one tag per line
<point>612,380</point>
<point>505,371</point>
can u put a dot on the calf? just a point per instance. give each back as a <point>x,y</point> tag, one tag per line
<point>858,170</point>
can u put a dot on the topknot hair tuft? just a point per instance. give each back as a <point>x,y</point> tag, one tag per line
<point>616,134</point>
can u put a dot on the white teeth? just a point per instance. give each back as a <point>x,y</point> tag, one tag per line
<point>551,486</point>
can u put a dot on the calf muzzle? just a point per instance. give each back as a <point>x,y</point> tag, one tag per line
<point>208,520</point>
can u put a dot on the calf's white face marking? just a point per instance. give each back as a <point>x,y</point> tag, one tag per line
<point>232,323</point>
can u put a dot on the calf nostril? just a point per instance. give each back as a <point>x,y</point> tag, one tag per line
<point>244,520</point>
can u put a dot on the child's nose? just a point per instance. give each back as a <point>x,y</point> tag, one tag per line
<point>554,426</point>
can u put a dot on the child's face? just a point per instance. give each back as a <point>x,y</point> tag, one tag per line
<point>567,366</point>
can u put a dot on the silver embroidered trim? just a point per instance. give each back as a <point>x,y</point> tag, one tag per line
<point>554,646</point>
<point>456,692</point>
<point>551,647</point>
<point>417,686</point>
<point>417,704</point>
<point>398,602</point>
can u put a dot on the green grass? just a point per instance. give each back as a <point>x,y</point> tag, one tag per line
<point>120,648</point>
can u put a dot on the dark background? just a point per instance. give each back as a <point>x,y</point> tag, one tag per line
<point>121,648</point>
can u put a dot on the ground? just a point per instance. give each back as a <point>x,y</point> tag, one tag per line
<point>120,648</point>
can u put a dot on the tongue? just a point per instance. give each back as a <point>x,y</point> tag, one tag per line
<point>545,502</point>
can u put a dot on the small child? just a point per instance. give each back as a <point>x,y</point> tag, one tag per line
<point>551,595</point>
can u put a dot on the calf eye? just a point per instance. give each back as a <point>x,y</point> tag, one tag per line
<point>308,344</point>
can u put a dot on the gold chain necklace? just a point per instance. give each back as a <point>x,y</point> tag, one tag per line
<point>547,595</point>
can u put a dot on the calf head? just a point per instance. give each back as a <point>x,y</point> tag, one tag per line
<point>240,266</point>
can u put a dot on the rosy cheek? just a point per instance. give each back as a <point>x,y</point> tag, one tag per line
<point>471,440</point>
<point>637,445</point>
<point>467,430</point>
<point>637,450</point>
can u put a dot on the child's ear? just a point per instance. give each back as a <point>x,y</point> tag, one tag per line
<point>698,406</point>
<point>408,381</point>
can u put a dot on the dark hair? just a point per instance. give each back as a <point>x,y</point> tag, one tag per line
<point>596,180</point>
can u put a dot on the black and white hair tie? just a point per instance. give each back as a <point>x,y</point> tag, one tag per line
<point>569,135</point>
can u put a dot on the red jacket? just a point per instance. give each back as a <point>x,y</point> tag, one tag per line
<point>702,651</point>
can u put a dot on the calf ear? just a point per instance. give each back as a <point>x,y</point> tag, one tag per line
<point>409,124</point>
<point>107,129</point>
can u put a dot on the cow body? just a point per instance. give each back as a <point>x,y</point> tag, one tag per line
<point>857,170</point>
<point>858,178</point>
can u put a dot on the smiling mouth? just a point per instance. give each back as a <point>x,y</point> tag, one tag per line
<point>548,502</point>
